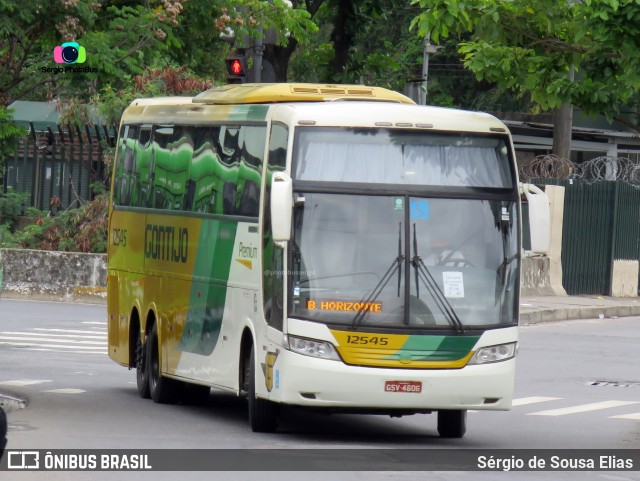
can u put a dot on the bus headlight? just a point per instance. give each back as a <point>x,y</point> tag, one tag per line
<point>500,352</point>
<point>313,348</point>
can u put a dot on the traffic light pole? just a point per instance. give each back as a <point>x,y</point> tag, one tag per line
<point>258,50</point>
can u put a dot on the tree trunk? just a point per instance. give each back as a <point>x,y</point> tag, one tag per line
<point>562,125</point>
<point>341,36</point>
<point>276,61</point>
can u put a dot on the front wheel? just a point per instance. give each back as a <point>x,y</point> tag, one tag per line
<point>263,414</point>
<point>452,424</point>
<point>162,389</point>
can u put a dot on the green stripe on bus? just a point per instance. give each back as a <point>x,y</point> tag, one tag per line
<point>207,300</point>
<point>249,112</point>
<point>435,348</point>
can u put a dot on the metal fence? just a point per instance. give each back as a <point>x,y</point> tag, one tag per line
<point>57,167</point>
<point>601,224</point>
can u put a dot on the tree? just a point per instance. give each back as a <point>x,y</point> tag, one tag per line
<point>290,22</point>
<point>120,39</point>
<point>10,133</point>
<point>533,46</point>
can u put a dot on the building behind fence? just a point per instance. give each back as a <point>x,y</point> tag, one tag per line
<point>56,164</point>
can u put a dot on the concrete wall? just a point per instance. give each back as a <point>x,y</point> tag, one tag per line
<point>535,278</point>
<point>70,275</point>
<point>625,278</point>
<point>44,274</point>
<point>555,194</point>
<point>542,274</point>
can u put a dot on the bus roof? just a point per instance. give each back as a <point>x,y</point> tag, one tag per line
<point>252,93</point>
<point>372,115</point>
<point>162,101</point>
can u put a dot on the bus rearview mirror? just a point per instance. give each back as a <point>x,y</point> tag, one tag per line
<point>281,206</point>
<point>539,218</point>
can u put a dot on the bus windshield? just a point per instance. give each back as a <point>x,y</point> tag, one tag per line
<point>401,157</point>
<point>403,261</point>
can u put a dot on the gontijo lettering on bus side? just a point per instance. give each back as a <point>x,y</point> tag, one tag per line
<point>166,243</point>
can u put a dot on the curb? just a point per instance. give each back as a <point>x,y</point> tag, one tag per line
<point>577,313</point>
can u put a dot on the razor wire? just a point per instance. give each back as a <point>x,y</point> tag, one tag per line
<point>589,172</point>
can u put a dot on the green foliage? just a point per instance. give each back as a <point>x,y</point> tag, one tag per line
<point>12,205</point>
<point>252,18</point>
<point>152,82</point>
<point>83,229</point>
<point>530,47</point>
<point>10,133</point>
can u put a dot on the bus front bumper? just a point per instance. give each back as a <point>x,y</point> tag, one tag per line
<point>312,382</point>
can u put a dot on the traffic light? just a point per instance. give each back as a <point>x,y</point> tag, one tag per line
<point>236,68</point>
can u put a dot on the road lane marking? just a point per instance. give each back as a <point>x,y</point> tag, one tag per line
<point>24,382</point>
<point>633,416</point>
<point>33,348</point>
<point>66,391</point>
<point>46,336</point>
<point>583,408</point>
<point>532,400</point>
<point>24,336</point>
<point>57,340</point>
<point>74,331</point>
<point>45,345</point>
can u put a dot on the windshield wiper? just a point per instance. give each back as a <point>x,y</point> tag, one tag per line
<point>365,303</point>
<point>433,288</point>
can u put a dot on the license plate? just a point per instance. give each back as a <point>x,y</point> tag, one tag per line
<point>403,386</point>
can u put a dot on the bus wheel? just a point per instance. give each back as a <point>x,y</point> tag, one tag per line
<point>452,424</point>
<point>162,389</point>
<point>142,373</point>
<point>263,414</point>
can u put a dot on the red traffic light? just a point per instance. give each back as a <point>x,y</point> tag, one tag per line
<point>236,67</point>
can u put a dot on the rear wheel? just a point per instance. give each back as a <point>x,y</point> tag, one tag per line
<point>452,424</point>
<point>162,389</point>
<point>142,373</point>
<point>263,414</point>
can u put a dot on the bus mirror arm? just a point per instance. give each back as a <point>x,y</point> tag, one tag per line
<point>281,206</point>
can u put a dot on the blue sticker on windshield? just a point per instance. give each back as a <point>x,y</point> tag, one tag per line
<point>419,209</point>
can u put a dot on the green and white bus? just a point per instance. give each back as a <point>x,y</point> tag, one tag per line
<point>332,247</point>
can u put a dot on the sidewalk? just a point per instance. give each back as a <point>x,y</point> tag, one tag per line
<point>534,310</point>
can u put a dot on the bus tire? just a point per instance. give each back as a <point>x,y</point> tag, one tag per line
<point>142,373</point>
<point>162,389</point>
<point>263,414</point>
<point>452,423</point>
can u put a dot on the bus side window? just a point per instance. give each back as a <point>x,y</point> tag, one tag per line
<point>141,154</point>
<point>249,199</point>
<point>229,198</point>
<point>229,138</point>
<point>126,166</point>
<point>273,279</point>
<point>205,170</point>
<point>252,144</point>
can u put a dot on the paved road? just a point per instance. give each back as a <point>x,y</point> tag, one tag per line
<point>577,386</point>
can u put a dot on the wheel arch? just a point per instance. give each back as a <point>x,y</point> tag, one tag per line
<point>134,327</point>
<point>247,342</point>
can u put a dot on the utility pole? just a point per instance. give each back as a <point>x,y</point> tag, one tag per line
<point>258,54</point>
<point>428,49</point>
